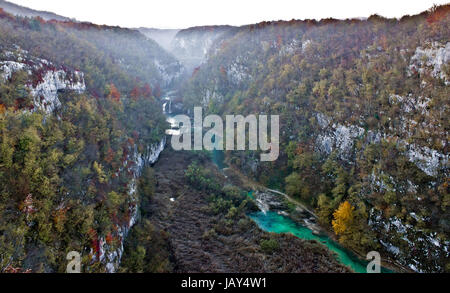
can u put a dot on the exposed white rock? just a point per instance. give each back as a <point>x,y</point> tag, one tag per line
<point>169,72</point>
<point>290,48</point>
<point>153,152</point>
<point>395,234</point>
<point>382,182</point>
<point>412,188</point>
<point>306,44</point>
<point>391,248</point>
<point>428,160</point>
<point>7,68</point>
<point>433,56</point>
<point>237,72</point>
<point>211,95</point>
<point>46,92</point>
<point>323,120</point>
<point>411,103</point>
<point>339,137</point>
<point>139,161</point>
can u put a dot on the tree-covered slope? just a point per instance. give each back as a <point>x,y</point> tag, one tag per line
<point>18,10</point>
<point>79,117</point>
<point>364,107</point>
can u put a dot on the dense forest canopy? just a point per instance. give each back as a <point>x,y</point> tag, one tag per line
<point>66,174</point>
<point>363,106</point>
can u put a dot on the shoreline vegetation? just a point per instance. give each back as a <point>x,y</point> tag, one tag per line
<point>247,183</point>
<point>362,152</point>
<point>206,227</point>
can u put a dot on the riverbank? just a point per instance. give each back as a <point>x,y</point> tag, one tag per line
<point>230,175</point>
<point>302,217</point>
<point>201,240</point>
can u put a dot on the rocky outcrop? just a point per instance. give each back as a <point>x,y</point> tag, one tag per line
<point>342,139</point>
<point>111,255</point>
<point>45,93</point>
<point>238,71</point>
<point>46,80</point>
<point>428,160</point>
<point>405,242</point>
<point>169,72</point>
<point>431,58</point>
<point>7,68</point>
<point>419,250</point>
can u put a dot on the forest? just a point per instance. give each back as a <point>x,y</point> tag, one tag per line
<point>66,175</point>
<point>363,107</point>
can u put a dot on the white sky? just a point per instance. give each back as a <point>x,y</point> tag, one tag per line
<point>187,13</point>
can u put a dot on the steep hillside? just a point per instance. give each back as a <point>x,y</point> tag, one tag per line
<point>364,107</point>
<point>80,126</point>
<point>134,53</point>
<point>191,45</point>
<point>18,10</point>
<point>195,221</point>
<point>78,122</point>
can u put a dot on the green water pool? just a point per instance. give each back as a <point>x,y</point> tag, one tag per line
<point>273,222</point>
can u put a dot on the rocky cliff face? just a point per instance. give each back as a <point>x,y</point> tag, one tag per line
<point>45,82</point>
<point>169,72</point>
<point>431,58</point>
<point>404,241</point>
<point>109,255</point>
<point>45,79</point>
<point>342,102</point>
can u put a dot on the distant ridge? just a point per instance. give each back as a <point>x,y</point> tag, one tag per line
<point>27,12</point>
<point>163,37</point>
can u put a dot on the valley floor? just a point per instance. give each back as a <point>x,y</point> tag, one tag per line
<point>184,213</point>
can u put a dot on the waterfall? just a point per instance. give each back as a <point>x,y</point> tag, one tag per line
<point>263,206</point>
<point>167,105</point>
<point>265,201</point>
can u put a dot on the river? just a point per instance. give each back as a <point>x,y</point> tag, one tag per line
<point>277,222</point>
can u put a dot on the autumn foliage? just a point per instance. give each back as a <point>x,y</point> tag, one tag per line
<point>147,90</point>
<point>343,218</point>
<point>114,93</point>
<point>438,13</point>
<point>135,93</point>
<point>143,92</point>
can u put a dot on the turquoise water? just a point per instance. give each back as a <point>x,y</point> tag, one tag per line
<point>273,222</point>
